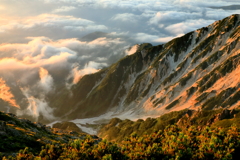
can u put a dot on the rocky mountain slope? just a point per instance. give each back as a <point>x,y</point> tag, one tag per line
<point>199,70</point>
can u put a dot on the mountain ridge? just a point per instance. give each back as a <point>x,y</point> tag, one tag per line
<point>158,79</point>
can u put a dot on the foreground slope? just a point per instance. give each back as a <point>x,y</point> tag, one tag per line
<point>199,70</point>
<point>171,142</point>
<point>17,133</point>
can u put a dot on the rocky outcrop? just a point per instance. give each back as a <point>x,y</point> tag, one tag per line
<point>192,117</point>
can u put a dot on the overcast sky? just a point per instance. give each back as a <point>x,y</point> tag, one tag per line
<point>49,36</point>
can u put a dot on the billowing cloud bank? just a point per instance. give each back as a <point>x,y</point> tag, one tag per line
<point>42,65</point>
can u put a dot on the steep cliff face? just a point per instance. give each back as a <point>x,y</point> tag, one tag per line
<point>199,70</point>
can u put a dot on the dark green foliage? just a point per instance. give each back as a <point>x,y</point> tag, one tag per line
<point>202,31</point>
<point>144,46</point>
<point>227,67</point>
<point>174,103</point>
<point>67,126</point>
<point>154,138</point>
<point>169,78</point>
<point>208,80</point>
<point>227,123</point>
<point>202,97</point>
<point>218,99</point>
<point>214,57</point>
<point>171,143</point>
<point>212,79</point>
<point>232,100</point>
<point>191,91</point>
<point>202,65</point>
<point>182,64</point>
<point>183,81</point>
<point>158,101</point>
<point>181,44</point>
<point>233,21</point>
<point>204,117</point>
<point>16,134</point>
<point>234,33</point>
<point>147,90</point>
<point>204,48</point>
<point>125,128</point>
<point>210,60</point>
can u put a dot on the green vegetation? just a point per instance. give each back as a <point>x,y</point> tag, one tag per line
<point>208,80</point>
<point>205,47</point>
<point>202,31</point>
<point>219,99</point>
<point>191,91</point>
<point>158,101</point>
<point>17,133</point>
<point>186,134</point>
<point>174,103</point>
<point>182,64</point>
<point>183,81</point>
<point>169,78</point>
<point>234,99</point>
<point>171,143</point>
<point>117,130</point>
<point>181,44</point>
<point>202,97</point>
<point>70,126</point>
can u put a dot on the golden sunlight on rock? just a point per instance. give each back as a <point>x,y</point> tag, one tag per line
<point>6,95</point>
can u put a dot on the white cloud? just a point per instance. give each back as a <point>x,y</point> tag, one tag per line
<point>50,20</point>
<point>187,26</point>
<point>207,3</point>
<point>132,50</point>
<point>221,13</point>
<point>36,107</point>
<point>64,9</point>
<point>46,80</point>
<point>126,17</point>
<point>143,37</point>
<point>165,39</point>
<point>49,55</point>
<point>162,17</point>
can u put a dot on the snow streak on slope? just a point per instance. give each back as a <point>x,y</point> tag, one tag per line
<point>198,70</point>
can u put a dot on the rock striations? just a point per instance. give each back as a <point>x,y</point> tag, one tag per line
<point>199,70</point>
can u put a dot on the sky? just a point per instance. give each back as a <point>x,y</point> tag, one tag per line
<point>44,43</point>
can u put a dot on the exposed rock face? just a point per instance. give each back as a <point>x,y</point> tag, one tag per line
<point>199,70</point>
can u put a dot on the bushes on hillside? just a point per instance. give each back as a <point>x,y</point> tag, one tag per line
<point>171,143</point>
